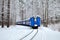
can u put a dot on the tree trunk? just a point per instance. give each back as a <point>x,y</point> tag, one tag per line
<point>2,13</point>
<point>8,14</point>
<point>46,13</point>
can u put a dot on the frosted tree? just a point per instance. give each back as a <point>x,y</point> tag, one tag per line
<point>8,14</point>
<point>2,13</point>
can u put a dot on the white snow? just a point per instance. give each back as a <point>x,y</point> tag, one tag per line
<point>55,27</point>
<point>17,32</point>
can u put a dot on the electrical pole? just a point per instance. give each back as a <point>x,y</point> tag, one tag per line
<point>2,13</point>
<point>8,14</point>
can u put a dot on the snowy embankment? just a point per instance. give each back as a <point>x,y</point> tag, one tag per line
<point>17,32</point>
<point>55,27</point>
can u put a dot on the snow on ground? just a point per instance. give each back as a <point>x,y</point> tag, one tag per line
<point>17,32</point>
<point>55,27</point>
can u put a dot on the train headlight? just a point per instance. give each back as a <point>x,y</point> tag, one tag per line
<point>35,25</point>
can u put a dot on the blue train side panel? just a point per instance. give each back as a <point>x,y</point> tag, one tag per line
<point>38,21</point>
<point>32,21</point>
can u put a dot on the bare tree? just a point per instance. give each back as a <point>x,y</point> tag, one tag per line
<point>21,9</point>
<point>2,13</point>
<point>22,13</point>
<point>32,7</point>
<point>8,14</point>
<point>46,13</point>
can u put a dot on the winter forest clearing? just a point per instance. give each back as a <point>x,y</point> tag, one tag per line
<point>19,18</point>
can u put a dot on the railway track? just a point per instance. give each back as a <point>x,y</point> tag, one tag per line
<point>34,35</point>
<point>29,34</point>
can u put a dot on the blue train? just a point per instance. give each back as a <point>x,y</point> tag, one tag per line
<point>32,22</point>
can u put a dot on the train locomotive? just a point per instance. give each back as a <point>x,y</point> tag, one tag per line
<point>32,22</point>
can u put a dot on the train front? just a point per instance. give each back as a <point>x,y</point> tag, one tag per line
<point>35,22</point>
